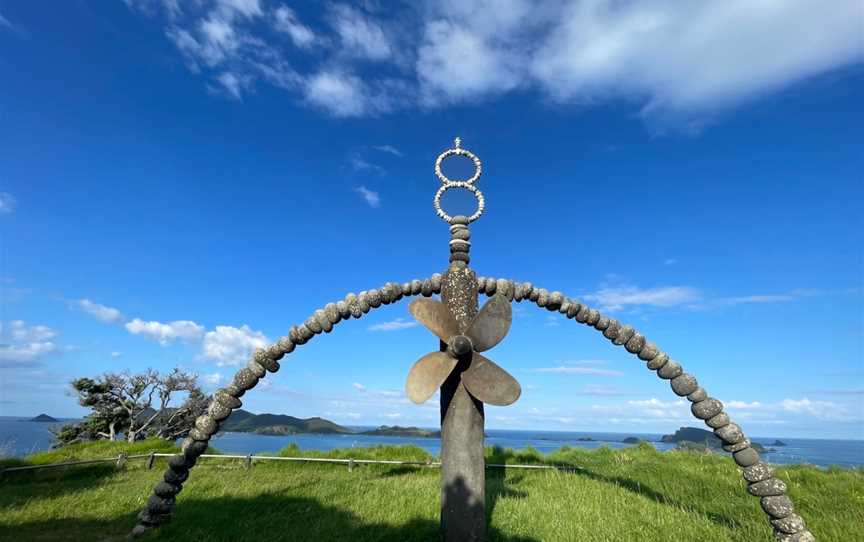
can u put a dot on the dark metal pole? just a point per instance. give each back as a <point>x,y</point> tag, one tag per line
<point>463,473</point>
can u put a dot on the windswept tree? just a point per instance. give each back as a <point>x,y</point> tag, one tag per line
<point>136,405</point>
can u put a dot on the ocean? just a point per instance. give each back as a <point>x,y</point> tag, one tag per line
<point>19,437</point>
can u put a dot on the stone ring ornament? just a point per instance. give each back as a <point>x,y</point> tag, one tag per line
<point>481,202</point>
<point>457,150</point>
<point>482,377</point>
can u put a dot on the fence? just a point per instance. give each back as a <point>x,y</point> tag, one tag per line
<point>249,459</point>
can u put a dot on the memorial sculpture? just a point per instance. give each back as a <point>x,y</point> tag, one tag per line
<point>467,379</point>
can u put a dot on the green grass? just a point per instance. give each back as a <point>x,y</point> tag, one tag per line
<point>632,494</point>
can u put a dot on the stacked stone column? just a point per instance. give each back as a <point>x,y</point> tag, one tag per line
<point>161,503</point>
<point>788,526</point>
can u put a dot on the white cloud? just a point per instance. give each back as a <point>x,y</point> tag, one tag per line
<point>393,325</point>
<point>823,410</point>
<point>212,379</point>
<point>116,355</point>
<point>20,343</point>
<point>743,405</point>
<point>233,84</point>
<point>7,200</point>
<point>285,20</point>
<point>670,58</point>
<point>670,261</point>
<point>229,345</point>
<point>393,415</point>
<point>164,334</point>
<point>359,387</point>
<point>371,197</point>
<point>360,35</point>
<point>552,321</point>
<point>617,298</point>
<point>100,312</point>
<point>390,149</point>
<point>4,22</point>
<point>569,370</point>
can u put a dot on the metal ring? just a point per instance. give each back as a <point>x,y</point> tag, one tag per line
<point>478,167</point>
<point>481,203</point>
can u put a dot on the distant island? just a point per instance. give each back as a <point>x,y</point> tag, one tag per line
<point>693,438</point>
<point>632,440</point>
<point>43,418</point>
<point>397,431</point>
<point>243,421</point>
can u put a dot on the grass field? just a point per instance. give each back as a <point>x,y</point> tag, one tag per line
<point>633,494</point>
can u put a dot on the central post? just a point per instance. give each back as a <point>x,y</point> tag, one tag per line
<point>463,469</point>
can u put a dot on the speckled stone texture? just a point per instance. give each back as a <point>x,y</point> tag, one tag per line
<point>670,370</point>
<point>732,448</point>
<point>684,384</point>
<point>706,409</point>
<point>746,457</point>
<point>779,506</point>
<point>717,421</point>
<point>658,361</point>
<point>791,524</point>
<point>803,536</point>
<point>698,395</point>
<point>730,434</point>
<point>165,490</point>
<point>245,379</point>
<point>757,472</point>
<point>767,488</point>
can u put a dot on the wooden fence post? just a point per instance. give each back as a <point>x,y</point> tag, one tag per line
<point>121,460</point>
<point>248,461</point>
<point>150,460</point>
<point>350,464</point>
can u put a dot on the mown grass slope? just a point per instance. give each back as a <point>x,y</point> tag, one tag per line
<point>633,494</point>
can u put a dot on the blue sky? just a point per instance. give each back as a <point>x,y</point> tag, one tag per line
<point>182,181</point>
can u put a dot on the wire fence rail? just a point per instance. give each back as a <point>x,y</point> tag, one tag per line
<point>250,459</point>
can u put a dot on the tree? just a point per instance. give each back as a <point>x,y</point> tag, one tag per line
<point>136,405</point>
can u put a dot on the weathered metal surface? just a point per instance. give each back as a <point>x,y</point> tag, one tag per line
<point>427,375</point>
<point>435,316</point>
<point>491,324</point>
<point>490,383</point>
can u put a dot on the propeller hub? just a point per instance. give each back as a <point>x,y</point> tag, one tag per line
<point>460,345</point>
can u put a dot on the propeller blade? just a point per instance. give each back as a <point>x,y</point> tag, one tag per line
<point>491,324</point>
<point>427,375</point>
<point>490,383</point>
<point>435,316</point>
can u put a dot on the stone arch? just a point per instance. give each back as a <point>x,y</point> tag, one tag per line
<point>788,526</point>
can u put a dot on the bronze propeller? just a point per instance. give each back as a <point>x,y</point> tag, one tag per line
<point>482,377</point>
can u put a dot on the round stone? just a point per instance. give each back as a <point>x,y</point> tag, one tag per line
<point>275,352</point>
<point>732,448</point>
<point>197,434</point>
<point>491,286</point>
<point>228,400</point>
<point>140,530</point>
<point>234,391</point>
<point>264,359</point>
<point>648,352</point>
<point>602,323</point>
<point>670,370</point>
<point>624,335</point>
<point>286,344</point>
<point>717,421</point>
<point>426,290</point>
<point>149,519</point>
<point>375,297</point>
<point>611,330</point>
<point>363,301</point>
<point>746,457</point>
<point>658,361</point>
<point>344,309</point>
<point>160,505</point>
<point>593,317</point>
<point>555,300</point>
<point>706,409</point>
<point>463,234</point>
<point>778,506</point>
<point>791,524</point>
<point>730,434</point>
<point>194,449</point>
<point>684,384</point>
<point>206,424</point>
<point>767,488</point>
<point>353,305</point>
<point>542,297</point>
<point>505,288</point>
<point>256,368</point>
<point>803,536</point>
<point>565,306</point>
<point>698,395</point>
<point>583,314</point>
<point>758,472</point>
<point>175,477</point>
<point>416,287</point>
<point>313,324</point>
<point>218,411</point>
<point>332,312</point>
<point>164,489</point>
<point>179,463</point>
<point>406,288</point>
<point>245,379</point>
<point>574,309</point>
<point>635,344</point>
<point>304,332</point>
<point>437,278</point>
<point>320,317</point>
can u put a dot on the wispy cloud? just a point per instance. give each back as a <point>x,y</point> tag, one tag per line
<point>98,311</point>
<point>371,197</point>
<point>4,22</point>
<point>670,261</point>
<point>24,344</point>
<point>571,370</point>
<point>390,149</point>
<point>360,165</point>
<point>393,325</point>
<point>619,297</point>
<point>574,53</point>
<point>116,354</point>
<point>7,200</point>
